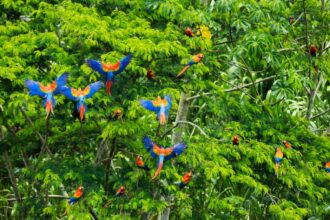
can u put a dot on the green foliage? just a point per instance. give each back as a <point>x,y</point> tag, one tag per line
<point>251,40</point>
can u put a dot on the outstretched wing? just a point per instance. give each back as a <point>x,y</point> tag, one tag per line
<point>34,88</point>
<point>150,146</point>
<point>69,92</point>
<point>122,64</point>
<point>168,104</point>
<point>96,66</point>
<point>150,105</point>
<point>174,151</point>
<point>91,89</point>
<point>60,82</point>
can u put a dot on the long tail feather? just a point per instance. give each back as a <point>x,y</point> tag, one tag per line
<point>183,70</point>
<point>162,118</point>
<point>277,165</point>
<point>49,108</point>
<point>82,112</point>
<point>160,166</point>
<point>108,85</point>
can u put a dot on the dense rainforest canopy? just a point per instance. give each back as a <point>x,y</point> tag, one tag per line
<point>264,77</point>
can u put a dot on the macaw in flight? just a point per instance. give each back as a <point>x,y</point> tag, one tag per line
<point>80,96</point>
<point>47,92</point>
<point>140,163</point>
<point>109,71</point>
<point>278,158</point>
<point>161,152</point>
<point>185,179</point>
<point>195,59</point>
<point>160,106</point>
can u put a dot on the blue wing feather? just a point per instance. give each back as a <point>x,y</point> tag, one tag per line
<point>94,87</point>
<point>123,63</point>
<point>169,103</point>
<point>96,66</point>
<point>65,90</point>
<point>60,82</point>
<point>34,88</point>
<point>177,150</point>
<point>148,144</point>
<point>148,105</point>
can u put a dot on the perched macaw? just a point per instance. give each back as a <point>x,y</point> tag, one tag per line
<point>80,96</point>
<point>235,140</point>
<point>185,179</point>
<point>47,92</point>
<point>313,50</point>
<point>140,163</point>
<point>288,145</point>
<point>117,113</point>
<point>161,152</point>
<point>150,74</point>
<point>291,20</point>
<point>189,32</point>
<point>278,158</point>
<point>327,167</point>
<point>77,195</point>
<point>195,59</point>
<point>119,193</point>
<point>160,106</point>
<point>109,71</point>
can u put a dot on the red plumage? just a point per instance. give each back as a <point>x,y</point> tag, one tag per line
<point>189,32</point>
<point>150,74</point>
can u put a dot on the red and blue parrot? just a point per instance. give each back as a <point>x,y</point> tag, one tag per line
<point>47,92</point>
<point>288,145</point>
<point>160,106</point>
<point>195,59</point>
<point>161,152</point>
<point>313,50</point>
<point>109,71</point>
<point>119,193</point>
<point>77,195</point>
<point>235,140</point>
<point>278,158</point>
<point>80,96</point>
<point>140,164</point>
<point>185,179</point>
<point>327,167</point>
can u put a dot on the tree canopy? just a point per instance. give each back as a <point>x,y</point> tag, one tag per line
<point>259,79</point>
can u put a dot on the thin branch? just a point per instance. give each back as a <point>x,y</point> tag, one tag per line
<point>232,89</point>
<point>255,86</point>
<point>49,196</point>
<point>31,124</point>
<point>299,17</point>
<point>190,123</point>
<point>320,114</point>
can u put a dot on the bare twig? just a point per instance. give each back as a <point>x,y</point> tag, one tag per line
<point>320,114</point>
<point>49,196</point>
<point>190,123</point>
<point>299,17</point>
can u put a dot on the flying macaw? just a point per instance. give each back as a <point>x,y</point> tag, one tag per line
<point>77,195</point>
<point>185,179</point>
<point>161,152</point>
<point>109,71</point>
<point>150,74</point>
<point>235,140</point>
<point>291,20</point>
<point>80,96</point>
<point>119,193</point>
<point>278,158</point>
<point>327,167</point>
<point>195,59</point>
<point>140,164</point>
<point>47,92</point>
<point>189,32</point>
<point>313,50</point>
<point>160,106</point>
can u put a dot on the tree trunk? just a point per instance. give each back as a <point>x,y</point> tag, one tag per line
<point>176,138</point>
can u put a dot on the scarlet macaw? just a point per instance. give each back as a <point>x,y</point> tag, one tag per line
<point>327,167</point>
<point>80,96</point>
<point>77,195</point>
<point>313,50</point>
<point>140,163</point>
<point>278,158</point>
<point>185,179</point>
<point>150,74</point>
<point>160,106</point>
<point>47,92</point>
<point>195,59</point>
<point>235,140</point>
<point>161,152</point>
<point>119,193</point>
<point>189,32</point>
<point>109,71</point>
